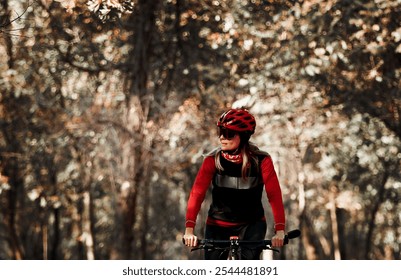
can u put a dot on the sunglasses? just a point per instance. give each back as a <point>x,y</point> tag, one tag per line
<point>227,133</point>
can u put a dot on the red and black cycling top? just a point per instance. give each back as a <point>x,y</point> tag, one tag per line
<point>236,201</point>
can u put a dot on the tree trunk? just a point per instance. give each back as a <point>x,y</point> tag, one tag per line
<point>5,22</point>
<point>144,24</point>
<point>375,209</point>
<point>138,106</point>
<point>13,197</point>
<point>87,233</point>
<point>334,222</point>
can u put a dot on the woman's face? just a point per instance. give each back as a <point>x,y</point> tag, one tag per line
<point>230,144</point>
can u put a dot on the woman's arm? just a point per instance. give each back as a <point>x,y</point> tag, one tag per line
<point>273,192</point>
<point>196,197</point>
<point>199,189</point>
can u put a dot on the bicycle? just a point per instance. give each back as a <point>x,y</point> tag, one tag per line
<point>234,244</point>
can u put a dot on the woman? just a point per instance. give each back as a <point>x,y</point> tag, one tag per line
<point>238,172</point>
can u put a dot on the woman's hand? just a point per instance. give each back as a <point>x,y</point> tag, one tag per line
<point>189,238</point>
<point>278,239</point>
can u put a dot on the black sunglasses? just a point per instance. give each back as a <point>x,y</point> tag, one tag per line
<point>227,133</point>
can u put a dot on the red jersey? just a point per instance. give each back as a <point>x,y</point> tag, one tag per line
<point>235,200</point>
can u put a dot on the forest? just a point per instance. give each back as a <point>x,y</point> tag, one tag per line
<point>108,106</point>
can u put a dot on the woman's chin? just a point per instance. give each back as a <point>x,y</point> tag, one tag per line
<point>225,148</point>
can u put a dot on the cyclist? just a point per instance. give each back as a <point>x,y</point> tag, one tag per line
<point>238,171</point>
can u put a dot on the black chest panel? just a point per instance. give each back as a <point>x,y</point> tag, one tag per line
<point>235,199</point>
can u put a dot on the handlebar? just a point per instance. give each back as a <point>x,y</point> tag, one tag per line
<point>266,244</point>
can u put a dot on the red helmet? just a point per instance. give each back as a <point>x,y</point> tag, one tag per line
<point>239,120</point>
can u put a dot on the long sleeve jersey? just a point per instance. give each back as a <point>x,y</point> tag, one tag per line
<point>235,200</point>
